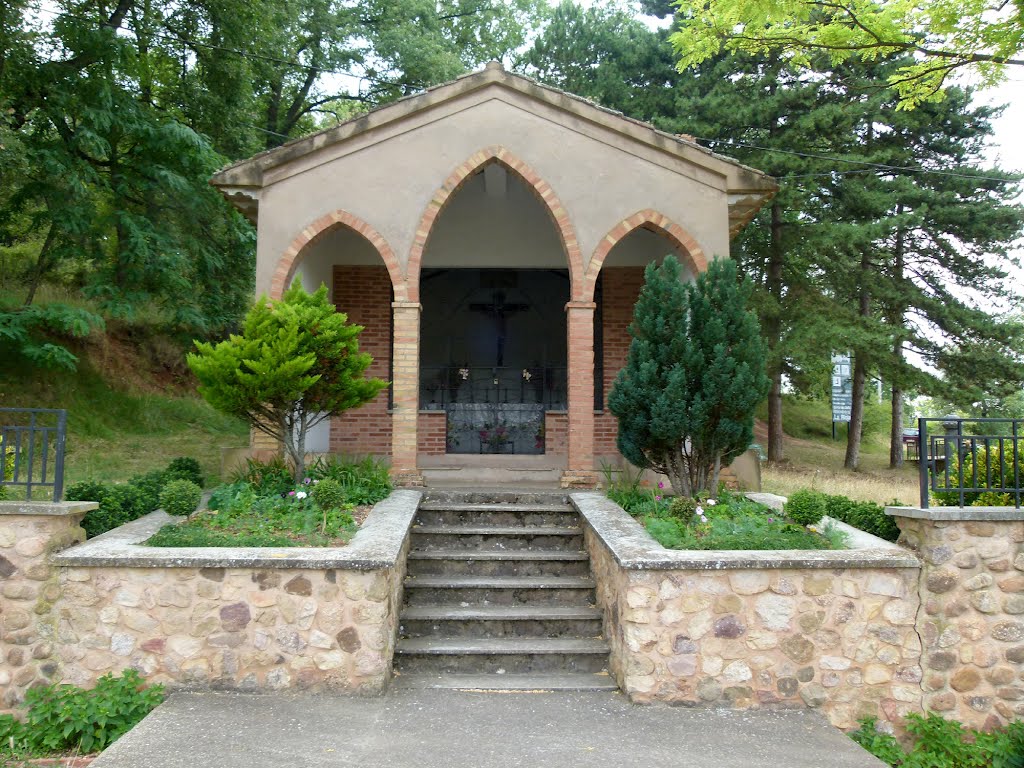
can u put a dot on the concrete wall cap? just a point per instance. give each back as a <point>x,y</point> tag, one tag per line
<point>47,508</point>
<point>377,545</point>
<point>965,514</point>
<point>635,549</point>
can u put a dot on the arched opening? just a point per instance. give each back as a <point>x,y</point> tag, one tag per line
<point>360,272</point>
<point>618,275</point>
<point>494,278</point>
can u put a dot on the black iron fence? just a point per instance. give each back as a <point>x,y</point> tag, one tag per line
<point>441,386</point>
<point>32,442</point>
<point>964,461</point>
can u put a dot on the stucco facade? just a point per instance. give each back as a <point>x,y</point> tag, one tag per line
<point>553,181</point>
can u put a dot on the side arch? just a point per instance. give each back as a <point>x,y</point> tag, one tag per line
<point>656,222</point>
<point>289,261</point>
<point>541,189</point>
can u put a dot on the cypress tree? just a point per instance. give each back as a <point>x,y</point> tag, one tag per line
<point>694,374</point>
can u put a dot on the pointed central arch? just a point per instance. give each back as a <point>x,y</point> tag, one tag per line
<point>649,219</point>
<point>541,190</point>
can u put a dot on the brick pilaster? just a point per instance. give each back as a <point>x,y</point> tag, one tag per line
<point>405,387</point>
<point>579,471</point>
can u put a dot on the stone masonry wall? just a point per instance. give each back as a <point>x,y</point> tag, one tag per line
<point>30,588</point>
<point>972,623</point>
<point>841,640</point>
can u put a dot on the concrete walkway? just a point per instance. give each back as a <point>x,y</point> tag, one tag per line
<point>428,728</point>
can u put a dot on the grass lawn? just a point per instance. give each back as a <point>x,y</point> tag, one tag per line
<point>123,421</point>
<point>814,460</point>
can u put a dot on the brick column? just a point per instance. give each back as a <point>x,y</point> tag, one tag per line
<point>580,470</point>
<point>405,386</point>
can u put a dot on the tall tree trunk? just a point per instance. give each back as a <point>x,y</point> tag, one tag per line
<point>773,334</point>
<point>860,373</point>
<point>896,433</point>
<point>896,427</point>
<point>42,266</point>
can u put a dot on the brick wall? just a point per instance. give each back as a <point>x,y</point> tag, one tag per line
<point>620,289</point>
<point>432,431</point>
<point>364,294</point>
<point>556,433</point>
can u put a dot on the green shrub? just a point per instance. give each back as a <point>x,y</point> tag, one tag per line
<point>119,504</point>
<point>328,494</point>
<point>806,507</point>
<point>985,468</point>
<point>65,718</point>
<point>266,477</point>
<point>941,743</point>
<point>993,499</point>
<point>683,509</point>
<point>223,495</point>
<point>149,486</point>
<point>364,481</point>
<point>865,515</point>
<point>185,468</point>
<point>180,497</point>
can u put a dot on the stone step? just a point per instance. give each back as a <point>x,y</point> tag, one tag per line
<point>497,537</point>
<point>579,681</point>
<point>489,495</point>
<point>503,654</point>
<point>500,621</point>
<point>499,590</point>
<point>529,515</point>
<point>467,562</point>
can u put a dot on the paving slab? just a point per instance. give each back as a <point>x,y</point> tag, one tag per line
<point>410,728</point>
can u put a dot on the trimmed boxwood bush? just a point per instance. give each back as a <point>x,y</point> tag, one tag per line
<point>865,515</point>
<point>149,486</point>
<point>185,468</point>
<point>806,507</point>
<point>119,504</point>
<point>328,494</point>
<point>180,497</point>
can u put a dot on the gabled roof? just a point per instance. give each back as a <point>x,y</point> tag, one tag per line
<point>748,188</point>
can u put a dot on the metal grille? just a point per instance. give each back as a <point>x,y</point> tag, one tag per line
<point>32,442</point>
<point>964,458</point>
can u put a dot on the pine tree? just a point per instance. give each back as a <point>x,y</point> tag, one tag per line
<point>296,363</point>
<point>694,374</point>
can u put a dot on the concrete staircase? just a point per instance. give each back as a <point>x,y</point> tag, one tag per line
<point>499,596</point>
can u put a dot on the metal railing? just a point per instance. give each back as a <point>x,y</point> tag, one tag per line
<point>960,466</point>
<point>32,443</point>
<point>441,386</point>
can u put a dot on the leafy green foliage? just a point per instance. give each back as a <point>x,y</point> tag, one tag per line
<point>266,477</point>
<point>328,494</point>
<point>296,363</point>
<point>37,332</point>
<point>730,522</point>
<point>363,481</point>
<point>186,468</point>
<point>985,467</point>
<point>802,32</point>
<point>941,743</point>
<point>64,718</point>
<point>806,507</point>
<point>693,377</point>
<point>180,497</point>
<point>149,487</point>
<point>247,519</point>
<point>119,504</point>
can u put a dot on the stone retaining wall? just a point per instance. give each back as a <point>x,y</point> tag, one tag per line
<point>829,630</point>
<point>242,619</point>
<point>972,623</point>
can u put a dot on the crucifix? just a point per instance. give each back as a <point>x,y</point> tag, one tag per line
<point>498,310</point>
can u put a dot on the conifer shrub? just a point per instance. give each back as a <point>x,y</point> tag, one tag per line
<point>180,497</point>
<point>806,507</point>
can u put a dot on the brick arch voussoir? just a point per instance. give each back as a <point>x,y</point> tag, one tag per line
<point>693,254</point>
<point>541,190</point>
<point>289,261</point>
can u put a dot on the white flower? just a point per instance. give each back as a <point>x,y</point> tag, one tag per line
<point>703,519</point>
<point>711,502</point>
<point>300,494</point>
<point>699,511</point>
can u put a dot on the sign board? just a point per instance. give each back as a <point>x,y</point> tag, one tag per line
<point>842,387</point>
